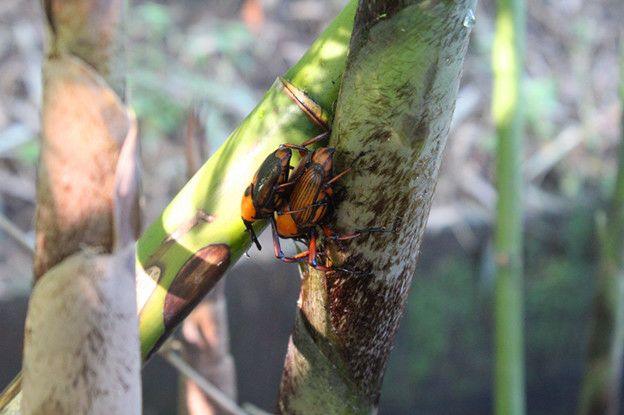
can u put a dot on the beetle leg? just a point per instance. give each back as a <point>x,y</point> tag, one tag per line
<point>300,148</point>
<point>309,255</point>
<point>303,150</point>
<point>312,259</point>
<point>282,187</point>
<point>312,254</point>
<point>277,248</point>
<point>300,257</point>
<point>337,177</point>
<point>316,139</point>
<point>252,234</point>
<point>288,212</point>
<point>331,234</point>
<point>312,249</point>
<point>279,254</point>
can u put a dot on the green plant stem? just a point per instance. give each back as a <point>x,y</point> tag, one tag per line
<point>507,59</point>
<point>600,392</point>
<point>200,234</point>
<point>392,118</point>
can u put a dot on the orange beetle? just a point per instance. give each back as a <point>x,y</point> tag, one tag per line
<point>264,194</point>
<point>308,206</point>
<point>269,188</point>
<point>310,196</point>
<point>295,205</point>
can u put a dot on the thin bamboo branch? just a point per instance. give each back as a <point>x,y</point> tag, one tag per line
<point>254,410</point>
<point>205,342</point>
<point>10,399</point>
<point>600,392</point>
<point>215,394</point>
<point>507,62</point>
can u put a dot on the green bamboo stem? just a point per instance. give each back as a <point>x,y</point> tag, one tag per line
<point>600,392</point>
<point>200,234</point>
<point>507,60</point>
<point>392,119</point>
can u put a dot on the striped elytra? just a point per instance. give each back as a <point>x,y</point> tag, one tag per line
<point>272,172</point>
<point>307,200</point>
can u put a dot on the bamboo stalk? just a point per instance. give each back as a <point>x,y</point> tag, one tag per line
<point>84,124</point>
<point>600,392</point>
<point>200,232</point>
<point>81,349</point>
<point>392,119</point>
<point>507,62</point>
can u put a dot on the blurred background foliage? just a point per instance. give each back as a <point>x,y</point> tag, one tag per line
<point>443,354</point>
<point>215,58</point>
<point>174,69</point>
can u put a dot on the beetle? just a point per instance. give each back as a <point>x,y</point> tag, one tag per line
<point>269,188</point>
<point>308,206</point>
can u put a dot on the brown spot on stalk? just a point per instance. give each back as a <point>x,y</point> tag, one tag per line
<point>195,279</point>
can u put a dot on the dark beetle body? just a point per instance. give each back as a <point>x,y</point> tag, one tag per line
<point>270,187</point>
<point>263,196</point>
<point>310,197</point>
<point>308,206</point>
<point>264,188</point>
<point>295,205</point>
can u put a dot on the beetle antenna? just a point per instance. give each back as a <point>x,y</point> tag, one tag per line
<point>252,234</point>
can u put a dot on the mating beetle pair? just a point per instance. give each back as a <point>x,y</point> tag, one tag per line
<point>295,203</point>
